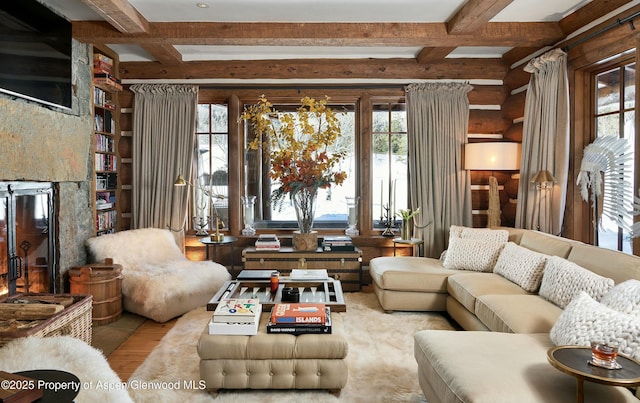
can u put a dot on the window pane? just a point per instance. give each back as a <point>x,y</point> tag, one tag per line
<point>203,118</point>
<point>608,91</point>
<point>219,119</point>
<point>608,125</point>
<point>629,86</point>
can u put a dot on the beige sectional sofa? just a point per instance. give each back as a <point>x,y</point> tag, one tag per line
<point>502,355</point>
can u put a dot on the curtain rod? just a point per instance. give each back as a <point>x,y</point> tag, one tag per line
<point>302,87</point>
<point>619,21</point>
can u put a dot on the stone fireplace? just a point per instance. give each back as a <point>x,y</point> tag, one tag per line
<point>50,147</point>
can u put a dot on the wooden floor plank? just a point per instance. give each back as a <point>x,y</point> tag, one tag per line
<point>132,353</point>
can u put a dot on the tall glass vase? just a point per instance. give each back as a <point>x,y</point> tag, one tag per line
<point>304,202</point>
<point>248,215</point>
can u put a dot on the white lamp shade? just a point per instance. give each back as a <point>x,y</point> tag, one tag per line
<point>492,156</point>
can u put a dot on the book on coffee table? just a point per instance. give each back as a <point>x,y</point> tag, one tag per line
<point>235,329</point>
<point>237,310</point>
<point>297,329</point>
<point>299,313</point>
<point>309,274</point>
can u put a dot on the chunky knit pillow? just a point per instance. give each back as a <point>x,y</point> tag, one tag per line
<point>563,280</point>
<point>485,234</point>
<point>521,266</point>
<point>585,319</point>
<point>624,297</point>
<point>472,254</point>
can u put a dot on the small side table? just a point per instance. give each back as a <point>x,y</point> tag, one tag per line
<point>572,360</point>
<point>227,240</point>
<point>415,242</point>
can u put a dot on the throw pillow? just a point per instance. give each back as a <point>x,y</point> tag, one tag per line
<point>486,234</point>
<point>585,319</point>
<point>472,254</point>
<point>521,266</point>
<point>563,280</point>
<point>624,297</point>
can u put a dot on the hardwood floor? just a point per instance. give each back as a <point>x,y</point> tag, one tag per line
<point>130,354</point>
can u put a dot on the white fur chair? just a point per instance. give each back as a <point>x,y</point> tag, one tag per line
<point>159,282</point>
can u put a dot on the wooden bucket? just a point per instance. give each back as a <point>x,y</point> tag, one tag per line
<point>104,282</point>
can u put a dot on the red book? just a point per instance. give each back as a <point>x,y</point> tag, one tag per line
<point>302,313</point>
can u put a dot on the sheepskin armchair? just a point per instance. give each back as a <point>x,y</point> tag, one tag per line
<point>158,282</point>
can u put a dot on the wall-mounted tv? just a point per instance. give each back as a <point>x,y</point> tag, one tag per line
<point>35,53</point>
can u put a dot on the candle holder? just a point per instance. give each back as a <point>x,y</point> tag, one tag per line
<point>200,224</point>
<point>248,215</point>
<point>389,223</point>
<point>352,208</point>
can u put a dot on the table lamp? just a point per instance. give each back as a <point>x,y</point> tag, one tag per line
<point>492,156</point>
<point>219,224</point>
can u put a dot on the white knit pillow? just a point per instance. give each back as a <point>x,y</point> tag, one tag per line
<point>521,266</point>
<point>585,319</point>
<point>624,297</point>
<point>472,254</point>
<point>562,280</point>
<point>486,234</point>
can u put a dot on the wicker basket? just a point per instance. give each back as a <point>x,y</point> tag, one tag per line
<point>75,321</point>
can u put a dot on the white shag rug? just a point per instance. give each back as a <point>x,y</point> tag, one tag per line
<point>381,364</point>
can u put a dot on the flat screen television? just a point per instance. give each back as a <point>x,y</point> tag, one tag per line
<point>35,53</point>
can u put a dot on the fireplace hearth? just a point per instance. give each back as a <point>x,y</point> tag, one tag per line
<point>27,248</point>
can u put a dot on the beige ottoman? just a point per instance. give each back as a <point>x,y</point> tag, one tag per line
<point>275,361</point>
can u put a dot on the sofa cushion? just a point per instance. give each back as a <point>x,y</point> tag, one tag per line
<point>563,280</point>
<point>472,254</point>
<point>624,297</point>
<point>521,265</point>
<point>599,260</point>
<point>490,367</point>
<point>517,313</point>
<point>585,319</point>
<point>408,273</point>
<point>466,287</point>
<point>547,244</point>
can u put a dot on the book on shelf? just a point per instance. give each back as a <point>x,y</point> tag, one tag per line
<point>297,329</point>
<point>309,274</point>
<point>235,329</point>
<point>237,310</point>
<point>267,242</point>
<point>300,313</point>
<point>337,243</point>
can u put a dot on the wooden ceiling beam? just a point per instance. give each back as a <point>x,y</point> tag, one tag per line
<point>475,14</point>
<point>319,34</point>
<point>462,69</point>
<point>433,54</point>
<point>120,14</point>
<point>165,54</point>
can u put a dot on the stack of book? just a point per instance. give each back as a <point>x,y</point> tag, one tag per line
<point>299,318</point>
<point>267,242</point>
<point>103,71</point>
<point>336,243</point>
<point>236,317</point>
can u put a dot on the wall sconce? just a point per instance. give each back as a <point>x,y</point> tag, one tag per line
<point>493,156</point>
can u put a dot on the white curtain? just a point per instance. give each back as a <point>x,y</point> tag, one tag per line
<point>164,126</point>
<point>545,143</point>
<point>437,124</point>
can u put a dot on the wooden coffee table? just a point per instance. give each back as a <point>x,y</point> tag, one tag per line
<point>572,360</point>
<point>328,292</point>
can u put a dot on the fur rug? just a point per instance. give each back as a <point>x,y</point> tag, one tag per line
<point>381,363</point>
<point>65,353</point>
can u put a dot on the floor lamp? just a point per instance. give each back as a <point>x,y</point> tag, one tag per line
<point>492,156</point>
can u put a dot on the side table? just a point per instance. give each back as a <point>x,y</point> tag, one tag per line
<point>227,240</point>
<point>415,242</point>
<point>572,360</point>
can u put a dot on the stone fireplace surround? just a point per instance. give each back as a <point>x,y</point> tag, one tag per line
<point>46,144</point>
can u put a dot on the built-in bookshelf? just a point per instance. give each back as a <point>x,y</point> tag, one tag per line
<point>106,134</point>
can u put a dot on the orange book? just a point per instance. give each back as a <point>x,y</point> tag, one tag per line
<point>302,313</point>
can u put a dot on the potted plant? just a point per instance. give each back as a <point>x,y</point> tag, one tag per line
<point>297,146</point>
<point>406,216</point>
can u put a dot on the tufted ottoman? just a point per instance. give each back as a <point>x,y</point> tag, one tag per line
<point>275,361</point>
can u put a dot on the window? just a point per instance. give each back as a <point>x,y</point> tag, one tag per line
<point>615,116</point>
<point>331,208</point>
<point>212,171</point>
<point>389,147</point>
